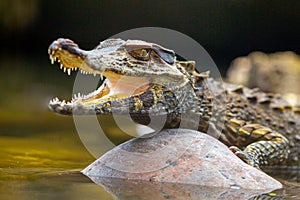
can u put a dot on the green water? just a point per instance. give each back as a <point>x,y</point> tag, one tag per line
<point>41,154</point>
<point>42,159</point>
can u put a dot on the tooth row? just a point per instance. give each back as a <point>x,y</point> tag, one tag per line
<point>94,73</point>
<point>56,100</point>
<point>85,72</point>
<point>52,58</point>
<point>51,53</point>
<point>68,70</point>
<point>79,96</point>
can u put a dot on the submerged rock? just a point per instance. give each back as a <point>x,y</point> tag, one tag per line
<point>136,189</point>
<point>180,156</point>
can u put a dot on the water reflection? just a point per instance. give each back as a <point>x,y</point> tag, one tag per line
<point>130,190</point>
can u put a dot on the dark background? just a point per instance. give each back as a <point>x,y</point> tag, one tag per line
<point>34,140</point>
<point>225,28</point>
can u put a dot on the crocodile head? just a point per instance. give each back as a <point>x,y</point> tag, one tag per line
<point>139,77</point>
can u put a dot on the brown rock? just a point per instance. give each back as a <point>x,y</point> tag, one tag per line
<point>183,157</point>
<point>276,72</point>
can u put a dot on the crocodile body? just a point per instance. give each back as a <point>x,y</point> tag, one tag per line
<point>146,81</point>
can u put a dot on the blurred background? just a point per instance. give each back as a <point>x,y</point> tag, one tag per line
<point>34,140</point>
<point>226,29</point>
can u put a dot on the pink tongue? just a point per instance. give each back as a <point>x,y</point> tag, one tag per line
<point>127,86</point>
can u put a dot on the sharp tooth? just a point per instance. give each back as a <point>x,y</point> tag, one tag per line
<point>94,73</point>
<point>101,76</point>
<point>58,60</point>
<point>65,69</point>
<point>61,66</point>
<point>52,60</point>
<point>69,71</point>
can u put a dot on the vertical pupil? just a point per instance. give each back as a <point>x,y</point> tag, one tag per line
<point>142,52</point>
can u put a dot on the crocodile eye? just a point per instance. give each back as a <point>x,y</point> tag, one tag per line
<point>140,54</point>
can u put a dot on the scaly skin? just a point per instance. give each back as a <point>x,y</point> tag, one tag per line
<point>145,80</point>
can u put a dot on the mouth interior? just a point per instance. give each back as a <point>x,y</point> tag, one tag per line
<point>115,86</point>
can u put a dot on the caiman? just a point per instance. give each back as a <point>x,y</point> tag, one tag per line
<point>146,80</point>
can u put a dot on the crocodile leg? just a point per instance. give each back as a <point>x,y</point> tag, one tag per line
<point>267,147</point>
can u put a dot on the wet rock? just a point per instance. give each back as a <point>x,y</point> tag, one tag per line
<point>180,156</point>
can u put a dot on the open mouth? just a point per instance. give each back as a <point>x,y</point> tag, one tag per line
<point>115,86</point>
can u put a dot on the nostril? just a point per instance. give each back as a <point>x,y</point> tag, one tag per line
<point>66,42</point>
<point>59,43</point>
<point>54,46</point>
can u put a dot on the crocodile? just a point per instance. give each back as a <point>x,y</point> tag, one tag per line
<point>146,80</point>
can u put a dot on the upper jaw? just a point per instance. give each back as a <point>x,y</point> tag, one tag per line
<point>70,57</point>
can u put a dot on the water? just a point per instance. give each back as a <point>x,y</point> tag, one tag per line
<point>42,155</point>
<point>43,161</point>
